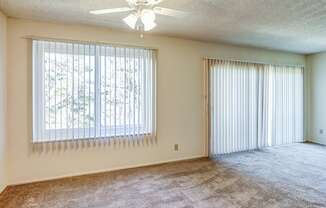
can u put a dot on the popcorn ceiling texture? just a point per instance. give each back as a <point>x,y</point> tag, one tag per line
<point>290,25</point>
<point>291,176</point>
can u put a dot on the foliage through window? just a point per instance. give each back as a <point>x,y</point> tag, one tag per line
<point>87,91</point>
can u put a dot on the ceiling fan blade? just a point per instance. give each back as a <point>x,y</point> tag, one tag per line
<point>169,12</point>
<point>114,10</point>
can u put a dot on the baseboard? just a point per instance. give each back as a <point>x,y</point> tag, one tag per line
<point>318,141</point>
<point>109,170</point>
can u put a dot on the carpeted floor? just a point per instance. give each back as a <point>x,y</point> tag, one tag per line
<point>285,176</point>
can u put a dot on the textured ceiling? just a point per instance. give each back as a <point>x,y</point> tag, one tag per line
<point>290,25</point>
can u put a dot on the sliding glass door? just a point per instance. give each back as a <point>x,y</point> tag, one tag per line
<point>253,105</point>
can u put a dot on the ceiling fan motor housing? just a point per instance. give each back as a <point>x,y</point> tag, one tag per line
<point>144,3</point>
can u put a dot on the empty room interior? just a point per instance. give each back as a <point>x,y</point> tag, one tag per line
<point>162,103</point>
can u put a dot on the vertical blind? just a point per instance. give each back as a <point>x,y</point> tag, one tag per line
<point>286,111</point>
<point>92,91</point>
<point>253,105</point>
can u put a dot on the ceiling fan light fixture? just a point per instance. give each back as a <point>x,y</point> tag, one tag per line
<point>143,13</point>
<point>131,20</point>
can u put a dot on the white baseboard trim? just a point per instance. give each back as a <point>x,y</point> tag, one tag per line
<point>318,141</point>
<point>107,170</point>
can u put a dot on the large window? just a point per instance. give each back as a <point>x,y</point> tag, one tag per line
<point>91,91</point>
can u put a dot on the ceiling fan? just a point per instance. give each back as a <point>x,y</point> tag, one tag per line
<point>142,13</point>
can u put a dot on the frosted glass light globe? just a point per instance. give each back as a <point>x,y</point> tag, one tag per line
<point>147,16</point>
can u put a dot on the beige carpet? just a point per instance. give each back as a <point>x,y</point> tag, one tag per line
<point>287,176</point>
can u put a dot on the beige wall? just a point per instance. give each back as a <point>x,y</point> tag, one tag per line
<point>3,138</point>
<point>180,106</point>
<point>317,65</point>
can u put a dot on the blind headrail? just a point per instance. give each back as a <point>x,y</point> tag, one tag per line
<point>31,37</point>
<point>254,62</point>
